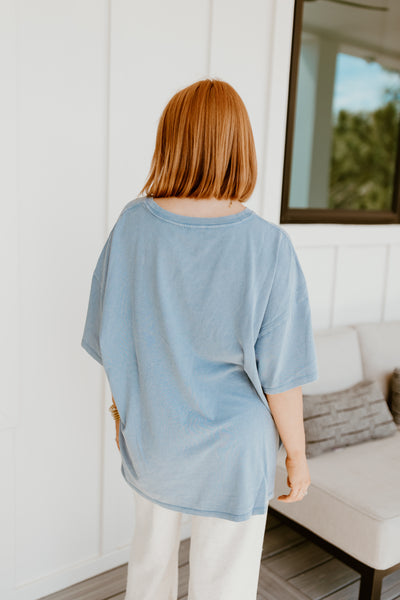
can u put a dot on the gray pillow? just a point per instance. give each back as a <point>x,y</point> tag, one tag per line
<point>394,402</point>
<point>347,417</point>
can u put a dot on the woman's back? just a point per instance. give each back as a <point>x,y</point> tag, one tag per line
<point>194,318</point>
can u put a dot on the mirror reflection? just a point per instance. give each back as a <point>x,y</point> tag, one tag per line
<point>346,131</point>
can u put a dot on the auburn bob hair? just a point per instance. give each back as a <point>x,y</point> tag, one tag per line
<point>204,146</point>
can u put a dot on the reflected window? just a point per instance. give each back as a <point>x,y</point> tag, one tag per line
<point>342,139</point>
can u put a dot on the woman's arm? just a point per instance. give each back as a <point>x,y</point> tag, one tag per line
<point>287,412</point>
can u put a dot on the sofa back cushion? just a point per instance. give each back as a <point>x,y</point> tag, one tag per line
<point>339,360</point>
<point>380,350</point>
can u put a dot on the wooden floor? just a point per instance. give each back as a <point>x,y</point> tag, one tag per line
<point>292,568</point>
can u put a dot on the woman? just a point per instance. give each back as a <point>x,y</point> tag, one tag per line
<point>199,313</point>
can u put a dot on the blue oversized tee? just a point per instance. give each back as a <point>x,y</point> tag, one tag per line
<point>194,319</point>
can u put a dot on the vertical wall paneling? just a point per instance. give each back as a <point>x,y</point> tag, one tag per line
<point>61,149</point>
<point>9,298</point>
<point>276,105</point>
<point>358,290</point>
<point>9,322</point>
<point>392,290</point>
<point>7,512</point>
<point>385,280</point>
<point>334,282</point>
<point>318,267</point>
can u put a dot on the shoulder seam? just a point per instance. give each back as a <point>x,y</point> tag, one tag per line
<point>274,225</point>
<point>140,202</point>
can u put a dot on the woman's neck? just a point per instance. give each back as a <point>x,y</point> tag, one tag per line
<point>201,207</point>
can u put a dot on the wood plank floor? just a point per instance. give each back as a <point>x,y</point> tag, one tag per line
<point>292,568</point>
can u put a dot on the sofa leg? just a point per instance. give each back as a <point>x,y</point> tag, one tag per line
<point>370,584</point>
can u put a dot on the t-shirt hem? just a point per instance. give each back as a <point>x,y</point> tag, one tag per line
<point>292,383</point>
<point>91,351</point>
<point>259,510</point>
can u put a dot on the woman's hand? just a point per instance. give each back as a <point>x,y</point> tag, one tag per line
<point>298,478</point>
<point>287,411</point>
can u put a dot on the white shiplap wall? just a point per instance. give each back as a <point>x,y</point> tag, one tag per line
<point>84,84</point>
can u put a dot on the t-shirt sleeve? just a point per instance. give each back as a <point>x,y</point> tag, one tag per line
<point>90,340</point>
<point>285,348</point>
<point>91,333</point>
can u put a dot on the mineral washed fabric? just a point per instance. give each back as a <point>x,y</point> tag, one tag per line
<point>193,320</point>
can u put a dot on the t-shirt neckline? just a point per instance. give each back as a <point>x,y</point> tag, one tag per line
<point>188,220</point>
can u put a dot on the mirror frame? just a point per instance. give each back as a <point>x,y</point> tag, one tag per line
<point>323,215</point>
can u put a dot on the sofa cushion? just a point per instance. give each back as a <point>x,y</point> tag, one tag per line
<point>346,417</point>
<point>380,350</point>
<point>353,500</point>
<point>339,360</point>
<point>394,396</point>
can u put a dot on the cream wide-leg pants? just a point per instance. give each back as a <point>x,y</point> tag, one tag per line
<point>224,560</point>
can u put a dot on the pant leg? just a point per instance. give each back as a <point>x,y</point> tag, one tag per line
<point>225,558</point>
<point>153,562</point>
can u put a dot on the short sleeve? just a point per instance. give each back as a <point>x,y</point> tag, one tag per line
<point>285,348</point>
<point>91,333</point>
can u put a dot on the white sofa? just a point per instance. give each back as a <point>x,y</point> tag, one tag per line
<point>353,503</point>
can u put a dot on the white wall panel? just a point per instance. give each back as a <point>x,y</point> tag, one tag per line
<point>359,284</point>
<point>318,265</point>
<point>7,512</point>
<point>61,149</point>
<point>391,309</point>
<point>9,322</point>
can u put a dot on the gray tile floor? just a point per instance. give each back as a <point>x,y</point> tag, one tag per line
<point>292,568</point>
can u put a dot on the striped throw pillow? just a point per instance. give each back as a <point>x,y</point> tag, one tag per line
<point>346,417</point>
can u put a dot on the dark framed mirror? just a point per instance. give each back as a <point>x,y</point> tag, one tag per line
<point>342,150</point>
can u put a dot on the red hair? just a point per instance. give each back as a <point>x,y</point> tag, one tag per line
<point>204,146</point>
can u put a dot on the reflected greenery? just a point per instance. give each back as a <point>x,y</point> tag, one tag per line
<point>364,147</point>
